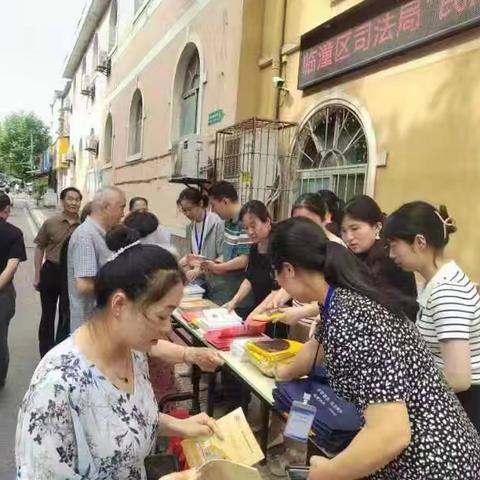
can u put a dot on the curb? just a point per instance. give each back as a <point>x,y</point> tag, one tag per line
<point>35,216</point>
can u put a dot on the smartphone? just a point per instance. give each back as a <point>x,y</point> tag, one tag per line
<point>297,473</point>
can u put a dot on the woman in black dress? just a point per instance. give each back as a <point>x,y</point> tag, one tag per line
<point>259,276</point>
<point>414,426</point>
<point>362,225</point>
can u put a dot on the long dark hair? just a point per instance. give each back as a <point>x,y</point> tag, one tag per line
<point>302,243</point>
<point>421,218</point>
<point>145,273</point>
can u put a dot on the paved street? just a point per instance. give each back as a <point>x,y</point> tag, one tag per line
<point>23,345</point>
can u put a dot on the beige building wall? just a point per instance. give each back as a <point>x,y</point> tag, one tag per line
<point>420,110</point>
<point>148,58</point>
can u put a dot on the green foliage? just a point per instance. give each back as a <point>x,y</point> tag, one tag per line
<point>23,137</point>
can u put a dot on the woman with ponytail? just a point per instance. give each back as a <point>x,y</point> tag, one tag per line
<point>414,427</point>
<point>204,235</point>
<point>449,315</point>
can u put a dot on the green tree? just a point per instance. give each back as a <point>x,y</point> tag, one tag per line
<point>23,138</point>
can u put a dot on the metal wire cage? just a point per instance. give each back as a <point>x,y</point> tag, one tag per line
<point>255,156</point>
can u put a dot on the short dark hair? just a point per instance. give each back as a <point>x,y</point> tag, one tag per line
<point>64,192</point>
<point>142,221</point>
<point>4,201</point>
<point>223,190</point>
<point>193,195</point>
<point>145,273</point>
<point>257,208</point>
<point>136,199</point>
<point>420,218</point>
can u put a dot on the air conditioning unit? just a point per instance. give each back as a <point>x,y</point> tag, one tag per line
<point>92,144</point>
<point>87,87</point>
<point>103,63</point>
<point>66,106</point>
<point>69,156</point>
<point>190,158</point>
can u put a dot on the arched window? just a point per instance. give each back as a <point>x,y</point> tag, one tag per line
<point>136,125</point>
<point>112,34</point>
<point>332,152</point>
<point>95,52</point>
<point>108,140</point>
<point>190,94</point>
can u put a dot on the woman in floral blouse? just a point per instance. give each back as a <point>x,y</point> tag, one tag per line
<point>90,412</point>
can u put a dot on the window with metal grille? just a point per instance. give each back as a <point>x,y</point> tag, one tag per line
<point>332,152</point>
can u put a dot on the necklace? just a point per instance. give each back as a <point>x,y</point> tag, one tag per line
<point>128,360</point>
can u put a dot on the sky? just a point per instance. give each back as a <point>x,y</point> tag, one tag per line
<point>35,38</point>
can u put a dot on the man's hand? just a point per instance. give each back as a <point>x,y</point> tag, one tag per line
<point>208,360</point>
<point>36,283</point>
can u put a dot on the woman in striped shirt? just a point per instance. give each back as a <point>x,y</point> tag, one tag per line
<point>449,315</point>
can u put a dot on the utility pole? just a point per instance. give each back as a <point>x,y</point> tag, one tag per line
<point>31,150</point>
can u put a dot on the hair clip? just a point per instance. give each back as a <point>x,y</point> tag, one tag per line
<point>123,250</point>
<point>446,222</point>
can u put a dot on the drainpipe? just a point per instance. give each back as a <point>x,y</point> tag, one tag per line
<point>277,65</point>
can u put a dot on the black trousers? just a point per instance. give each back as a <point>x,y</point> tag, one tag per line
<point>470,400</point>
<point>50,284</point>
<point>7,311</point>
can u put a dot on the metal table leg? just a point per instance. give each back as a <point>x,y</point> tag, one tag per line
<point>265,419</point>
<point>196,375</point>
<point>212,380</point>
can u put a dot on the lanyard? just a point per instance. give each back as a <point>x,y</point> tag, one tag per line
<point>198,242</point>
<point>327,305</point>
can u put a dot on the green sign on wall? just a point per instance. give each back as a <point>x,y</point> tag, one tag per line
<point>215,117</point>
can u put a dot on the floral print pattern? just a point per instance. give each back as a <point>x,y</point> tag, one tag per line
<point>75,424</point>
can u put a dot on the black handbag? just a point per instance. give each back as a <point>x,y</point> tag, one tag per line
<point>160,464</point>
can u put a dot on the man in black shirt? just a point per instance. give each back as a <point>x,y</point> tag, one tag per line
<point>12,252</point>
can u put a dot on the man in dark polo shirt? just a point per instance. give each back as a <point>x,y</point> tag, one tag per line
<point>12,252</point>
<point>49,240</point>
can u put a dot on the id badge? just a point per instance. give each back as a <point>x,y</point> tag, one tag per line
<point>300,420</point>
